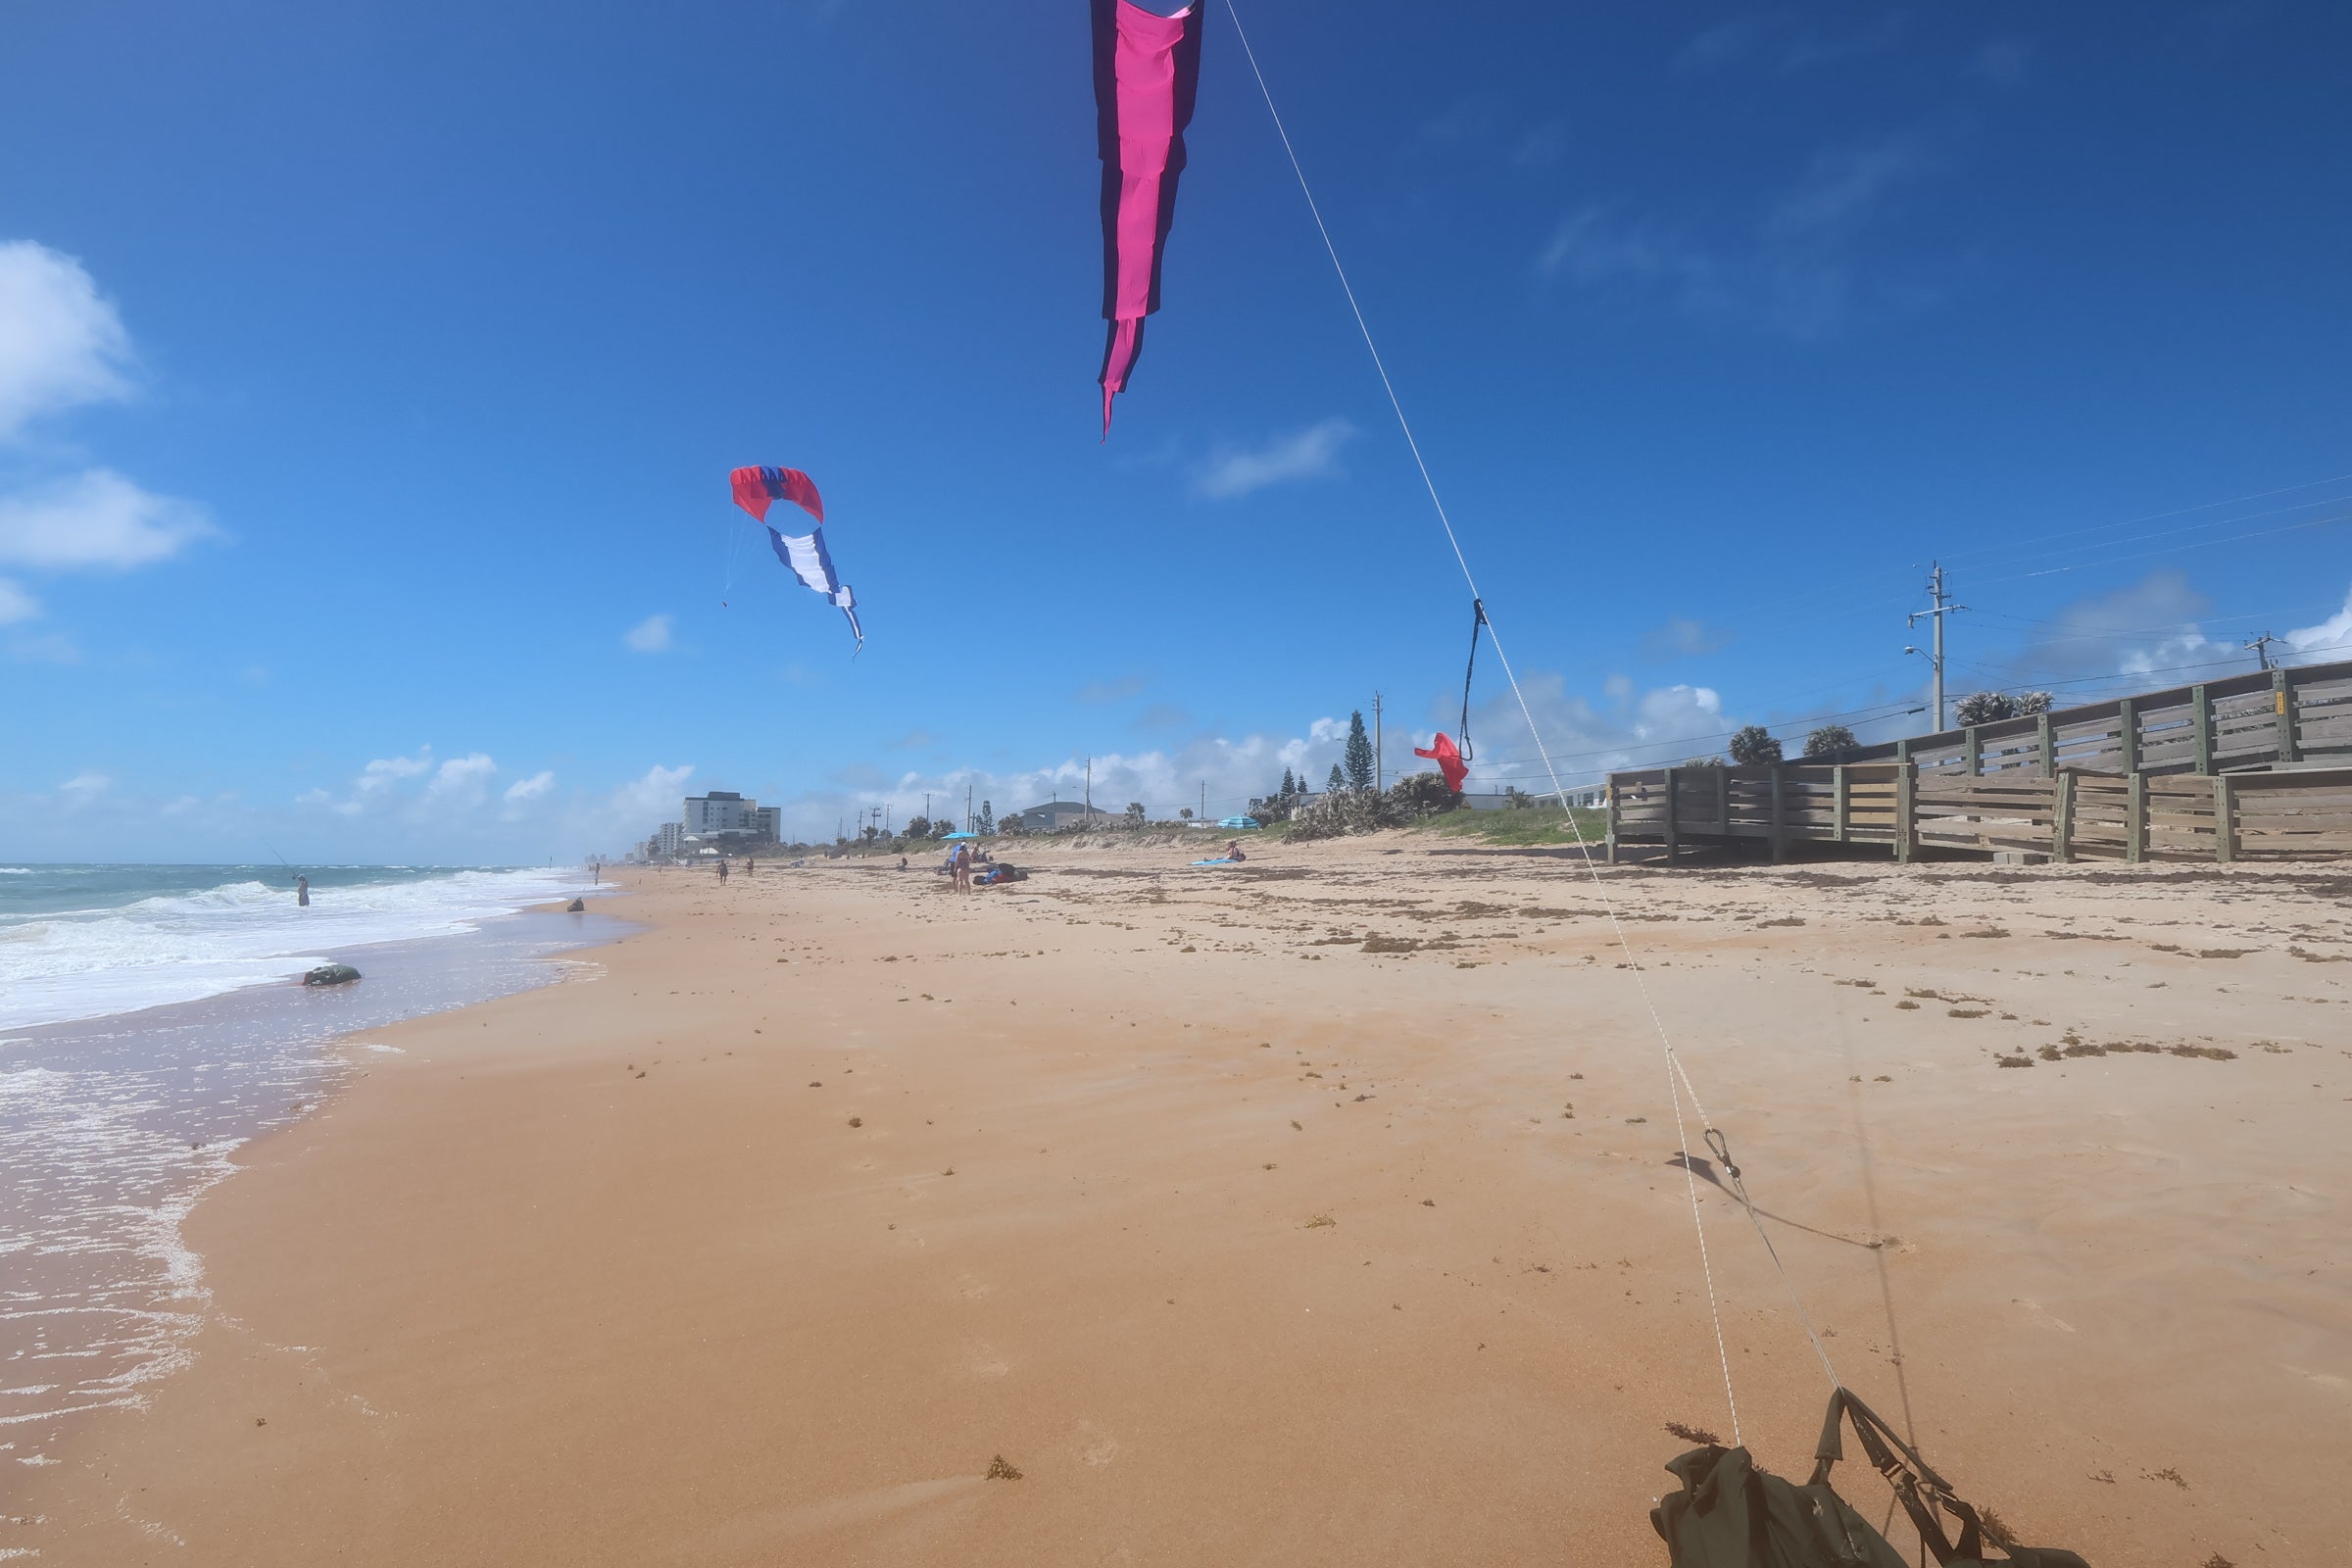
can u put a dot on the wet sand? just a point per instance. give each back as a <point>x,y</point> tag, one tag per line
<point>1321,1211</point>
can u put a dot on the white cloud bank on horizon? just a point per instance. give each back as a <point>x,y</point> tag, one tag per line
<point>62,343</point>
<point>434,804</point>
<point>650,635</point>
<point>1309,453</point>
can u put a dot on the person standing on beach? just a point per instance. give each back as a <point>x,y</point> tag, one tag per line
<point>302,892</point>
<point>722,871</point>
<point>750,866</point>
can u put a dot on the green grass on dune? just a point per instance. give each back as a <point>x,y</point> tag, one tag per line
<point>1525,826</point>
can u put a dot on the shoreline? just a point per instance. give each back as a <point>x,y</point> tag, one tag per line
<point>1242,1238</point>
<point>116,1126</point>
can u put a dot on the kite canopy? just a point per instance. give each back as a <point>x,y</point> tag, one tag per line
<point>1449,759</point>
<point>756,490</point>
<point>1147,74</point>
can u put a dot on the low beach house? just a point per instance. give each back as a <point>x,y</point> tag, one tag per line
<point>1056,815</point>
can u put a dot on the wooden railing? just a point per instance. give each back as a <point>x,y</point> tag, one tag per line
<point>2264,719</point>
<point>2077,815</point>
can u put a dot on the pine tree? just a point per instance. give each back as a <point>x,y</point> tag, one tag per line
<point>988,820</point>
<point>1289,784</point>
<point>1338,780</point>
<point>1360,753</point>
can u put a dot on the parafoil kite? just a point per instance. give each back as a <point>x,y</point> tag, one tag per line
<point>1147,74</point>
<point>1450,761</point>
<point>756,490</point>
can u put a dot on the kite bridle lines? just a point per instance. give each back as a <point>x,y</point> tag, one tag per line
<point>1678,1081</point>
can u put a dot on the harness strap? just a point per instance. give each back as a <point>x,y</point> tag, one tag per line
<point>1921,1493</point>
<point>1478,619</point>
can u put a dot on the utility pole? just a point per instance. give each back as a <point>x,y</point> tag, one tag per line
<point>1204,800</point>
<point>1944,607</point>
<point>926,805</point>
<point>1380,755</point>
<point>2260,648</point>
<point>967,808</point>
<point>1090,786</point>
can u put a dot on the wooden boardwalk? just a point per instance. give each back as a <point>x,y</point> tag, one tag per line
<point>2270,718</point>
<point>2075,815</point>
<point>2225,771</point>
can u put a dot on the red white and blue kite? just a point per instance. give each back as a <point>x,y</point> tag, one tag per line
<point>1147,74</point>
<point>756,490</point>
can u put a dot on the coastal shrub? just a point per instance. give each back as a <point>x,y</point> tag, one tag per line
<point>1983,708</point>
<point>1829,743</point>
<point>1422,795</point>
<point>1752,746</point>
<point>1344,814</point>
<point>2024,703</point>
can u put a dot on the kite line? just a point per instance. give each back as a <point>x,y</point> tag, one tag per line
<point>1678,1081</point>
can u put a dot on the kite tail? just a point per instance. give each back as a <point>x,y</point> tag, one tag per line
<point>1122,346</point>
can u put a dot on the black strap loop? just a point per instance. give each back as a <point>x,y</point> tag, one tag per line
<point>1478,619</point>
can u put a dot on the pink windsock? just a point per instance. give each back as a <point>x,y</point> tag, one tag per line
<point>1147,74</point>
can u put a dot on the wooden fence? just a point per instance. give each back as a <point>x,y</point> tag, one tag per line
<point>2267,719</point>
<point>2077,815</point>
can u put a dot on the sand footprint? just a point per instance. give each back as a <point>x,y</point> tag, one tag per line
<point>1094,1446</point>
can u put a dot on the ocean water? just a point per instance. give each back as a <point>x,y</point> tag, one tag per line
<point>152,1019</point>
<point>91,941</point>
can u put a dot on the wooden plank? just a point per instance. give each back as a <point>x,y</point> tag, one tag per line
<point>2062,819</point>
<point>2136,823</point>
<point>2128,716</point>
<point>1777,835</point>
<point>2204,707</point>
<point>1672,814</point>
<point>2282,683</point>
<point>1905,784</point>
<point>2225,837</point>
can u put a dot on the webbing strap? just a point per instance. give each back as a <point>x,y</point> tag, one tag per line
<point>1916,1487</point>
<point>1478,619</point>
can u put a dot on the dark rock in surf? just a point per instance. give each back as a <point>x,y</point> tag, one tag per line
<point>331,975</point>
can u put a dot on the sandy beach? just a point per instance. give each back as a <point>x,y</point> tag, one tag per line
<point>1319,1211</point>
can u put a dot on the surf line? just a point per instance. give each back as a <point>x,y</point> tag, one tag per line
<point>1677,1080</point>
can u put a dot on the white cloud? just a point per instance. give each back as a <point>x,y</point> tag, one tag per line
<point>2328,640</point>
<point>17,605</point>
<point>650,635</point>
<point>530,789</point>
<point>2148,627</point>
<point>95,519</point>
<point>1799,271</point>
<point>60,342</point>
<point>461,782</point>
<point>1842,183</point>
<point>84,788</point>
<point>1309,453</point>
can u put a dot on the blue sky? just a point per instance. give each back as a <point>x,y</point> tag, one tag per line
<point>370,376</point>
